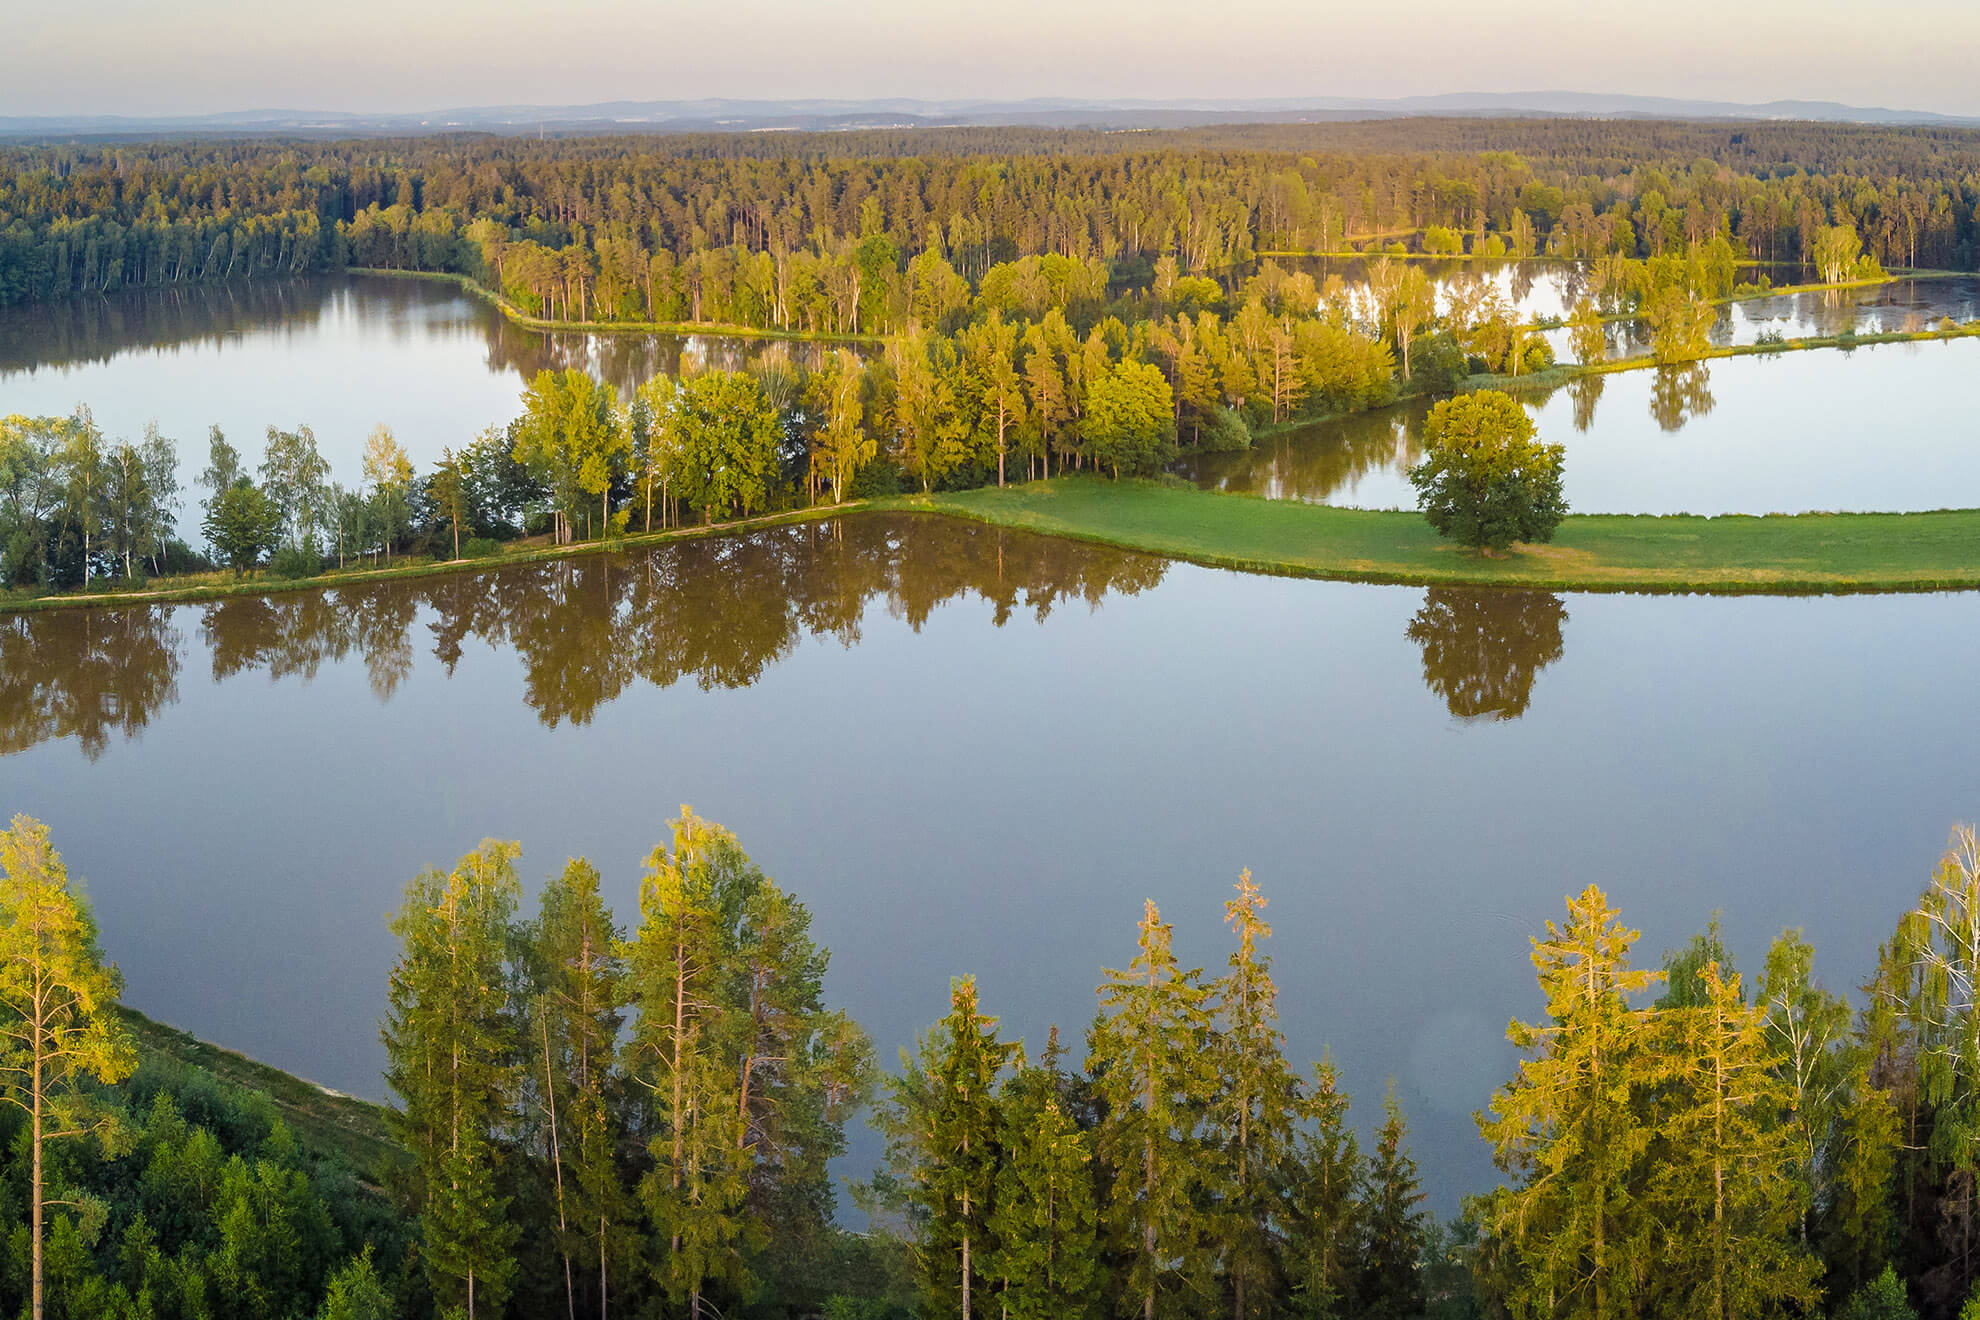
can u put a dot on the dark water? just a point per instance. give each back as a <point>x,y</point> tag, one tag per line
<point>976,750</point>
<point>340,354</point>
<point>1876,428</point>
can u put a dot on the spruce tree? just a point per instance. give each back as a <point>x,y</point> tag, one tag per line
<point>1571,1234</point>
<point>1323,1209</point>
<point>453,1047</point>
<point>1045,1220</point>
<point>1253,1118</point>
<point>957,1176</point>
<point>1726,1191</point>
<point>1391,1286</point>
<point>1148,1052</point>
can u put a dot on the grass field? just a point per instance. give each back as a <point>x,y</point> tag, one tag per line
<point>1592,552</point>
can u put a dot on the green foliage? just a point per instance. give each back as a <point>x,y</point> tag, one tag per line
<point>1391,1283</point>
<point>1485,480</point>
<point>721,435</point>
<point>452,1043</point>
<point>1129,426</point>
<point>242,525</point>
<point>291,562</point>
<point>1883,1298</point>
<point>1569,1131</point>
<point>1147,1052</point>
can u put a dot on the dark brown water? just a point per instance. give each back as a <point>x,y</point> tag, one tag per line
<point>976,750</point>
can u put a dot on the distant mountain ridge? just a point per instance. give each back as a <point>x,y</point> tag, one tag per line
<point>825,115</point>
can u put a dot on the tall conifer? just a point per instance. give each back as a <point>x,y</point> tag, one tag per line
<point>1149,1055</point>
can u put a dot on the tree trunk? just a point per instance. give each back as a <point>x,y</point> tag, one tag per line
<point>557,1165</point>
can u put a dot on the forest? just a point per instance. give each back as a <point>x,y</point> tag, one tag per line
<point>595,1118</point>
<point>870,233</point>
<point>987,400</point>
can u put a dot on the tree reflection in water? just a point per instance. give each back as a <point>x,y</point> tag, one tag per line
<point>1680,394</point>
<point>1483,649</point>
<point>719,611</point>
<point>84,674</point>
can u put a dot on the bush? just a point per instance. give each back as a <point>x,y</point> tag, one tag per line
<point>880,477</point>
<point>1223,431</point>
<point>1437,364</point>
<point>479,547</point>
<point>292,562</point>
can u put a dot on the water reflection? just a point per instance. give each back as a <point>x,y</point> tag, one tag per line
<point>1482,650</point>
<point>84,674</point>
<point>720,612</point>
<point>1678,395</point>
<point>1328,462</point>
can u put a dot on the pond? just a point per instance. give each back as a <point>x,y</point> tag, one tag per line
<point>340,354</point>
<point>1881,427</point>
<point>975,750</point>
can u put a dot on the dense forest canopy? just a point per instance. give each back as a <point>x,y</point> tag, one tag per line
<point>848,233</point>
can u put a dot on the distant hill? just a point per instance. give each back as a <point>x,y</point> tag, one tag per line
<point>722,115</point>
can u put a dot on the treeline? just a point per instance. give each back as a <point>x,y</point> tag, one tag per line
<point>597,1119</point>
<point>854,234</point>
<point>1185,1169</point>
<point>994,400</point>
<point>1726,1149</point>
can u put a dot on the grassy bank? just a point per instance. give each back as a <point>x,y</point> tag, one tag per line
<point>193,589</point>
<point>1592,552</point>
<point>1782,553</point>
<point>323,1120</point>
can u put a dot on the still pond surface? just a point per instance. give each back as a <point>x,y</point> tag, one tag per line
<point>971,750</point>
<point>1880,428</point>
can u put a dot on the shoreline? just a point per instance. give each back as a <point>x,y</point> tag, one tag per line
<point>677,329</point>
<point>1731,554</point>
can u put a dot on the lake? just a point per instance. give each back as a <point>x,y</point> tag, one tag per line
<point>340,354</point>
<point>975,750</point>
<point>1868,429</point>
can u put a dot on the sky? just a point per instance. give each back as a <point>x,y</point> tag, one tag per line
<point>140,57</point>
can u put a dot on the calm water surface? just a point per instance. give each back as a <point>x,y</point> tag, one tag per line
<point>975,750</point>
<point>1885,427</point>
<point>340,354</point>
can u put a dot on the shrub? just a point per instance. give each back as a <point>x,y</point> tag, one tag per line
<point>292,562</point>
<point>1223,430</point>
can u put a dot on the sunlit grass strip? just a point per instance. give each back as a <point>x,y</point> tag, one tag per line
<point>1786,554</point>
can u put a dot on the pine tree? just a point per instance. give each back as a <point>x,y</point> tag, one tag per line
<point>1726,1191</point>
<point>1391,1285</point>
<point>577,1000</point>
<point>1045,1221</point>
<point>452,1043</point>
<point>1568,1129</point>
<point>1323,1256</point>
<point>1255,1115</point>
<point>1148,1053</point>
<point>960,1130</point>
<point>59,1002</point>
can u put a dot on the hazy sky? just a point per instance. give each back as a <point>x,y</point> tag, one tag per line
<point>144,57</point>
